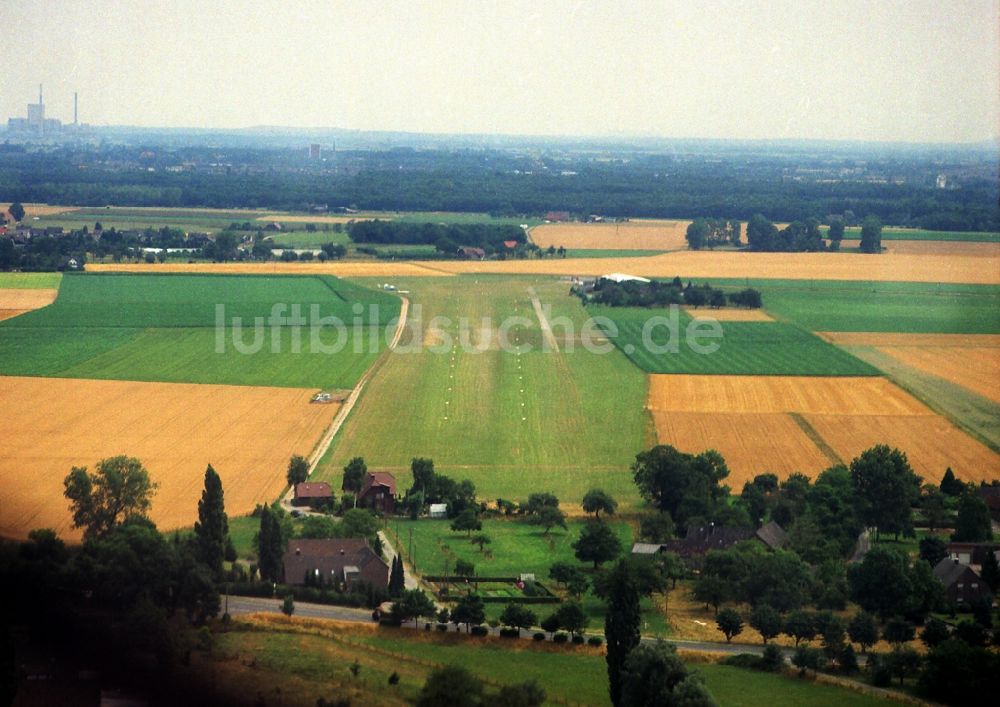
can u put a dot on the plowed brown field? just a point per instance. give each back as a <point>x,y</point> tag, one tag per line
<point>15,301</point>
<point>51,425</point>
<point>628,235</point>
<point>784,424</point>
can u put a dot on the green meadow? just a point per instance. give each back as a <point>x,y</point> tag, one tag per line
<point>907,307</point>
<point>308,666</point>
<point>163,328</point>
<point>30,280</point>
<point>744,348</point>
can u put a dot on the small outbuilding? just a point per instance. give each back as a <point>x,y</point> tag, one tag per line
<point>438,510</point>
<point>312,494</point>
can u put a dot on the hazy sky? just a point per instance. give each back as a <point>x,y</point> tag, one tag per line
<point>914,70</point>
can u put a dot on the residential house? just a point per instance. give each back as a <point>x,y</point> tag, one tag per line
<point>312,494</point>
<point>557,216</point>
<point>971,553</point>
<point>338,562</point>
<point>961,583</point>
<point>714,537</point>
<point>378,492</point>
<point>470,253</point>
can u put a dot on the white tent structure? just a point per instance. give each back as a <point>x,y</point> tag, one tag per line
<point>622,277</point>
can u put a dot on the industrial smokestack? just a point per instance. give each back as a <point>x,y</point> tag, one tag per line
<point>74,108</point>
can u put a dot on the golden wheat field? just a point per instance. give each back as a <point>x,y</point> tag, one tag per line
<point>780,394</point>
<point>52,424</point>
<point>38,209</point>
<point>15,301</point>
<point>363,268</point>
<point>980,250</point>
<point>728,314</point>
<point>689,264</point>
<point>787,423</point>
<point>751,443</point>
<point>888,267</point>
<point>971,361</point>
<point>974,368</point>
<point>932,444</point>
<point>627,235</point>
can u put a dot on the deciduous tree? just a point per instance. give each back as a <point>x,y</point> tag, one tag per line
<point>597,500</point>
<point>729,622</point>
<point>887,488</point>
<point>298,470</point>
<point>597,543</point>
<point>120,487</point>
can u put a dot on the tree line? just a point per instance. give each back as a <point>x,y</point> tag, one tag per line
<point>634,293</point>
<point>727,186</point>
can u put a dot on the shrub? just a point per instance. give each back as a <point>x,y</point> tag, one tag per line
<point>509,632</point>
<point>744,660</point>
<point>427,627</point>
<point>595,641</point>
<point>578,639</point>
<point>560,637</point>
<point>480,631</point>
<point>539,636</point>
<point>772,660</point>
<point>442,627</point>
<point>394,678</point>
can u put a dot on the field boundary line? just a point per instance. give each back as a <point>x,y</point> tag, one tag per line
<point>327,439</point>
<point>816,438</point>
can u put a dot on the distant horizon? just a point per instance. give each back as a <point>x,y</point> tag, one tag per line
<point>915,72</point>
<point>610,137</point>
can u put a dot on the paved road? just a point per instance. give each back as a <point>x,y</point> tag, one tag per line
<point>253,605</point>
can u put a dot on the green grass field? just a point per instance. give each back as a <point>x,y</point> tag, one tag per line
<point>920,308</point>
<point>309,239</point>
<point>745,348</point>
<point>163,328</point>
<point>311,665</point>
<point>513,424</point>
<point>30,280</point>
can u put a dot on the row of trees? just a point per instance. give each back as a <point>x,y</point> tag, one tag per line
<point>446,238</point>
<point>633,293</point>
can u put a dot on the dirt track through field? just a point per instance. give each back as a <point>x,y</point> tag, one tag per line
<point>783,424</point>
<point>543,322</point>
<point>53,424</point>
